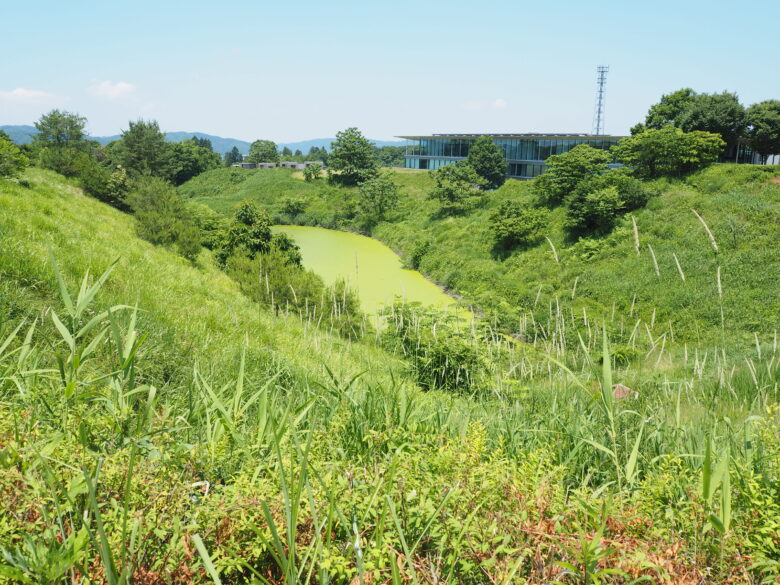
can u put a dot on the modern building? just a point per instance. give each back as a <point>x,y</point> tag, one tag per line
<point>524,153</point>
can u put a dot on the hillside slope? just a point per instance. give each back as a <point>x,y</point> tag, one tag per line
<point>602,276</point>
<point>193,314</point>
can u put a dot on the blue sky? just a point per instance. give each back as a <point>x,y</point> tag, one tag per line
<point>292,71</point>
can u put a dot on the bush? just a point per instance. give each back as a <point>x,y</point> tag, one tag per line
<point>595,212</point>
<point>162,217</point>
<point>458,188</point>
<point>488,161</point>
<point>211,224</point>
<point>293,206</point>
<point>312,172</point>
<point>249,233</point>
<point>515,225</point>
<point>443,356</point>
<point>12,161</point>
<point>668,152</point>
<point>565,171</point>
<point>69,162</point>
<point>109,187</point>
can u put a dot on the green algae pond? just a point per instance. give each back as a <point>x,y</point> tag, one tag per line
<point>373,270</point>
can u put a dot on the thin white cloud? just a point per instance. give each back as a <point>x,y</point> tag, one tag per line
<point>109,90</point>
<point>21,95</point>
<point>499,104</point>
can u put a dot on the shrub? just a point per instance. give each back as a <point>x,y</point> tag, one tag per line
<point>250,232</point>
<point>442,355</point>
<point>668,152</point>
<point>109,187</point>
<point>64,160</point>
<point>377,197</point>
<point>458,188</point>
<point>488,161</point>
<point>211,224</point>
<point>565,171</point>
<point>595,212</point>
<point>12,161</point>
<point>312,172</point>
<point>515,225</point>
<point>293,206</point>
<point>162,217</point>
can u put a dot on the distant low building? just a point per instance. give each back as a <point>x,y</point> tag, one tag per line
<point>244,165</point>
<point>285,164</point>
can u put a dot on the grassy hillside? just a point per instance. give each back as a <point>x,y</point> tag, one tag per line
<point>207,442</point>
<point>602,276</point>
<point>192,314</point>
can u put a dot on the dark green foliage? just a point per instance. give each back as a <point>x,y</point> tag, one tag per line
<point>60,129</point>
<point>211,224</point>
<point>286,151</point>
<point>65,160</point>
<point>263,151</point>
<point>12,161</point>
<point>719,113</point>
<point>442,352</point>
<point>162,217</point>
<point>110,186</point>
<point>565,171</point>
<point>486,158</point>
<point>669,110</point>
<point>233,156</point>
<point>142,149</point>
<point>516,225</point>
<point>668,152</point>
<point>458,188</point>
<point>312,172</point>
<point>248,234</point>
<point>298,152</point>
<point>764,127</point>
<point>390,156</point>
<point>593,212</point>
<point>293,206</point>
<point>352,158</point>
<point>419,250</point>
<point>188,159</point>
<point>276,279</point>
<point>377,197</point>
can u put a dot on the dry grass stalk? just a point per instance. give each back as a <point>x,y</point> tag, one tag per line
<point>554,251</point>
<point>655,262</point>
<point>707,229</point>
<point>679,268</point>
<point>636,235</point>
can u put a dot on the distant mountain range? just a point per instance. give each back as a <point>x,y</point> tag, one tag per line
<point>24,135</point>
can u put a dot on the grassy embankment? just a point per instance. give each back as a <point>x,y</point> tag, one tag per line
<point>600,276</point>
<point>172,458</point>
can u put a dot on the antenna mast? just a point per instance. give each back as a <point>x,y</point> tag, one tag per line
<point>601,92</point>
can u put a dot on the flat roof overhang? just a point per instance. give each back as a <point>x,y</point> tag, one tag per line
<point>531,135</point>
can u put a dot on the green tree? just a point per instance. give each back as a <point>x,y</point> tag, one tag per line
<point>298,152</point>
<point>668,152</point>
<point>142,150</point>
<point>719,113</point>
<point>286,151</point>
<point>231,157</point>
<point>12,161</point>
<point>312,172</point>
<point>352,158</point>
<point>565,171</point>
<point>263,151</point>
<point>162,217</point>
<point>60,129</point>
<point>187,159</point>
<point>669,110</point>
<point>516,225</point>
<point>457,188</point>
<point>595,212</point>
<point>486,158</point>
<point>106,185</point>
<point>377,197</point>
<point>249,232</point>
<point>764,128</point>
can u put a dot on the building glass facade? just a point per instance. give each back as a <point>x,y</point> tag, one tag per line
<point>524,153</point>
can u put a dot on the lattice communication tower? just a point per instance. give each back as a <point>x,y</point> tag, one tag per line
<point>601,94</point>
